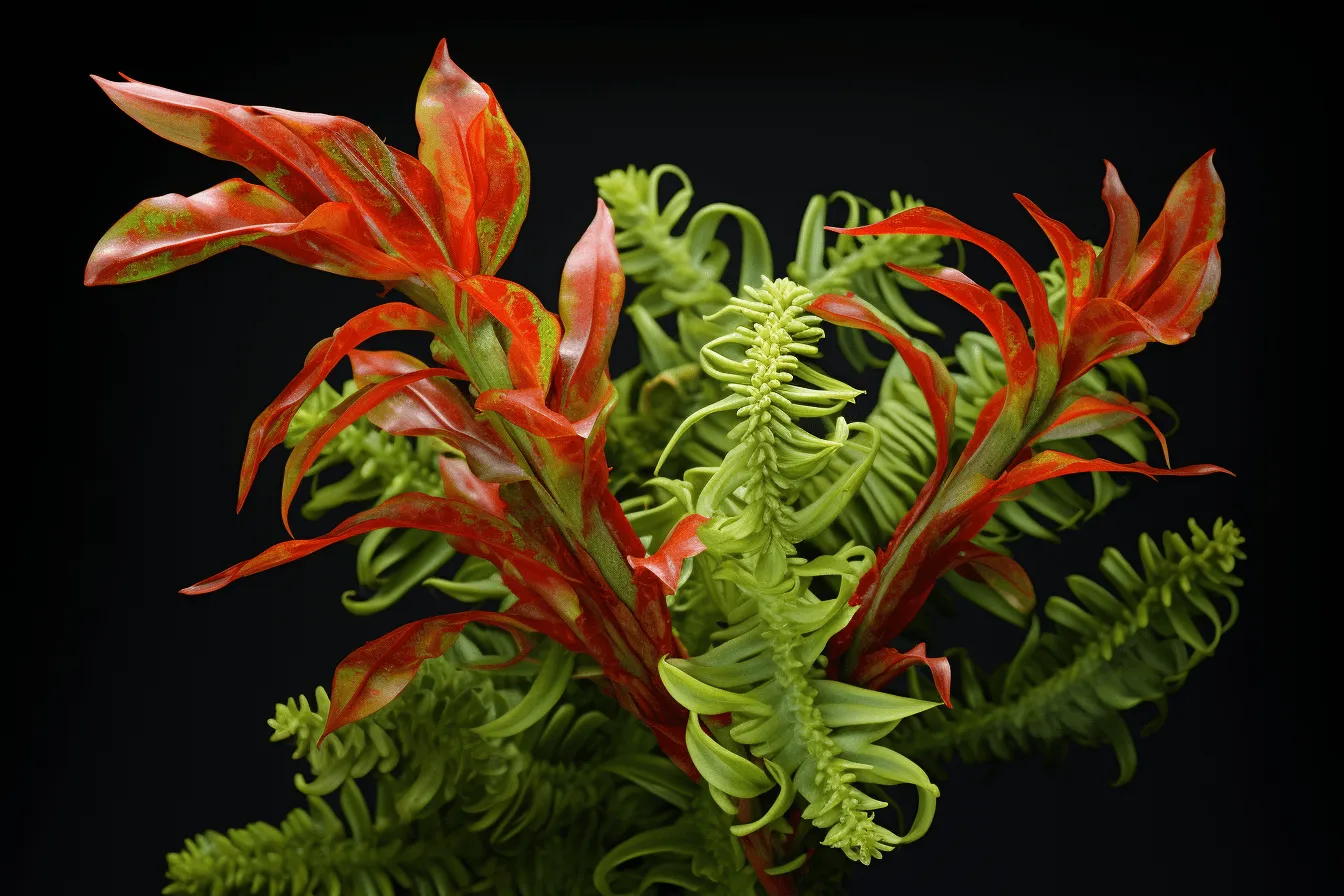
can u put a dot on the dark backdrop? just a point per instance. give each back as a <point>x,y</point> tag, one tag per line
<point>148,719</point>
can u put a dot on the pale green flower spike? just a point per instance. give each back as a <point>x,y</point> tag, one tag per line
<point>817,737</point>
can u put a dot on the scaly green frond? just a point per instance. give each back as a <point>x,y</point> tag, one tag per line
<point>1112,649</point>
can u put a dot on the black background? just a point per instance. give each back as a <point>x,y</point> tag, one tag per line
<point>145,710</point>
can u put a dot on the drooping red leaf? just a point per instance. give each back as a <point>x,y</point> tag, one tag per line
<point>350,409</point>
<point>271,425</point>
<point>372,676</point>
<point>926,220</point>
<point>435,407</point>
<point>168,233</point>
<point>478,532</point>
<point>931,375</point>
<point>1004,574</point>
<point>591,290</point>
<point>478,161</point>
<point>1079,262</point>
<point>879,668</point>
<point>533,333</point>
<point>1003,324</point>
<point>1090,414</point>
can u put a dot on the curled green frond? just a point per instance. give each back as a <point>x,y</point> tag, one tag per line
<point>812,736</point>
<point>1112,648</point>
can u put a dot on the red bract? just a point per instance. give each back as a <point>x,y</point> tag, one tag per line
<point>1154,289</point>
<point>529,492</point>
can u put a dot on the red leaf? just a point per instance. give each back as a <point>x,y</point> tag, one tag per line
<point>925,220</point>
<point>1005,326</point>
<point>478,532</point>
<point>877,669</point>
<point>307,159</point>
<point>460,484</point>
<point>1124,234</point>
<point>984,422</point>
<point>168,233</point>
<point>664,565</point>
<point>436,408</point>
<point>1077,256</point>
<point>534,332</point>
<point>269,429</point>
<point>1103,329</point>
<point>1089,414</point>
<point>478,161</point>
<point>591,290</point>
<point>526,409</point>
<point>1004,574</point>
<point>338,418</point>
<point>372,676</point>
<point>935,383</point>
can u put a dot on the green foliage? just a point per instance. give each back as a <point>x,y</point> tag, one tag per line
<point>1111,649</point>
<point>814,736</point>
<point>456,811</point>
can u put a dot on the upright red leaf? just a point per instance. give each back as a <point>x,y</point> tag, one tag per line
<point>926,220</point>
<point>1079,261</point>
<point>1124,234</point>
<point>931,375</point>
<point>532,332</point>
<point>271,425</point>
<point>591,290</point>
<point>478,161</point>
<point>168,233</point>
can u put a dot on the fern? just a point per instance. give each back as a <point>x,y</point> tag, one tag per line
<point>1112,649</point>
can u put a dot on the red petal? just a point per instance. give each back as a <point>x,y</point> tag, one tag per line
<point>478,161</point>
<point>171,232</point>
<point>877,669</point>
<point>591,290</point>
<point>269,429</point>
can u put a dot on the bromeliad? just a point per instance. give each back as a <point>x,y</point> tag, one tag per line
<point>763,667</point>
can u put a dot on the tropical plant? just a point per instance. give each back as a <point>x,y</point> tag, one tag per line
<point>691,587</point>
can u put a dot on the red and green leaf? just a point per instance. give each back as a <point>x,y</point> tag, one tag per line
<point>931,375</point>
<point>1086,415</point>
<point>1124,234</point>
<point>926,220</point>
<point>271,425</point>
<point>434,407</point>
<point>1079,262</point>
<point>478,161</point>
<point>168,233</point>
<point>533,333</point>
<point>880,667</point>
<point>591,290</point>
<point>372,676</point>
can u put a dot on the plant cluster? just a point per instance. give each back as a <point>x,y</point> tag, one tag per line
<point>681,657</point>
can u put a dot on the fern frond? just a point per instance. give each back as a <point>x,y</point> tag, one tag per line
<point>1111,649</point>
